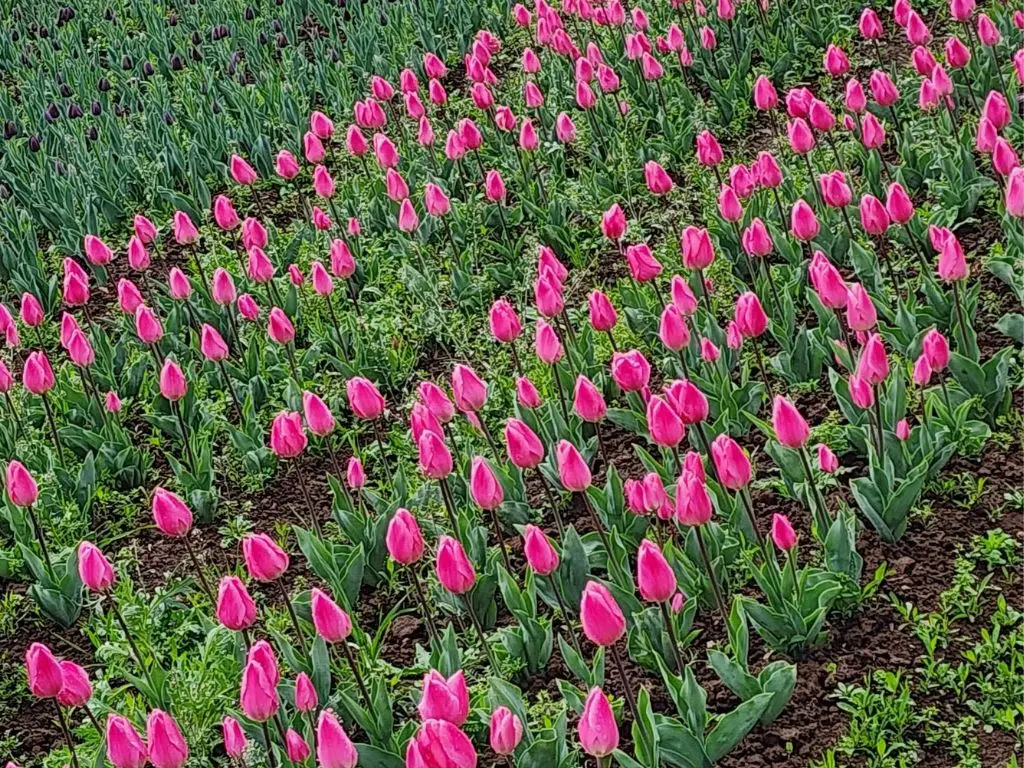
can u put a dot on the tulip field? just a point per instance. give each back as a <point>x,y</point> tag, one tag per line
<point>456,383</point>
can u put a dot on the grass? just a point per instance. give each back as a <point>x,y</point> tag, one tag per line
<point>966,683</point>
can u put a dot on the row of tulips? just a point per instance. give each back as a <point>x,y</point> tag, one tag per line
<point>656,536</point>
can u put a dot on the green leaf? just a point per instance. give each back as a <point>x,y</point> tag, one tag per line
<point>733,726</point>
<point>375,757</point>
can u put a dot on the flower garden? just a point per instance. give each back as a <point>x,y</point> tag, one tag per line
<point>442,384</point>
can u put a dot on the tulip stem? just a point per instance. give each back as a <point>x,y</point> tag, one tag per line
<point>291,614</point>
<point>42,541</point>
<point>480,632</point>
<point>14,413</point>
<point>553,502</point>
<point>53,429</point>
<point>600,445</point>
<point>703,437</point>
<point>627,693</point>
<point>427,616</point>
<point>670,628</point>
<point>515,359</point>
<point>176,408</point>
<point>960,318</point>
<point>229,385</point>
<point>822,518</point>
<point>309,502</point>
<point>489,437</point>
<point>199,263</point>
<point>449,504</point>
<point>363,693</point>
<point>561,392</point>
<point>565,615</point>
<point>337,327</point>
<point>791,556</point>
<point>945,393</point>
<point>199,571</point>
<point>704,289</point>
<point>764,371</point>
<point>748,505</point>
<point>131,643</point>
<point>270,749</point>
<point>67,733</point>
<point>291,364</point>
<point>501,540</point>
<point>846,336</point>
<point>597,523</point>
<point>93,720</point>
<point>380,445</point>
<point>879,422</point>
<point>715,589</point>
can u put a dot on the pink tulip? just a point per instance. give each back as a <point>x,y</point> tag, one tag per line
<point>935,348</point>
<point>952,262</point>
<point>765,95</point>
<point>860,310</point>
<point>364,398</point>
<point>444,699</point>
<point>334,749</point>
<point>469,389</point>
<point>171,515</point>
<point>21,486</point>
<point>224,214</point>
<point>76,690</point>
<point>484,486</point>
<point>658,181</point>
<point>408,219</point>
<point>435,460</point>
<point>96,251</point>
<point>185,232</point>
<point>601,617</point>
<point>791,429</point>
<point>125,748</point>
<point>264,559</point>
<point>688,401</point>
<point>709,152</point>
<point>404,540</point>
<point>144,229</point>
<point>329,620</point>
<point>732,466</point>
<point>285,164</point>
<point>873,366</point>
<point>505,731</point>
<point>454,570</point>
<point>750,318</point>
<point>212,345</point>
<point>663,423</point>
<point>45,678</point>
<point>173,385</point>
<point>827,461</point>
<point>783,534</point>
<point>693,503</point>
<point>630,370</point>
<point>836,62</point>
<point>697,251</point>
<point>94,569</point>
<point>602,314</point>
<point>654,576</point>
<point>167,747</point>
<point>803,222</point>
<point>599,734</point>
<point>572,469</point>
<point>540,554</point>
<point>827,281</point>
<point>235,608</point>
<point>258,695</point>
